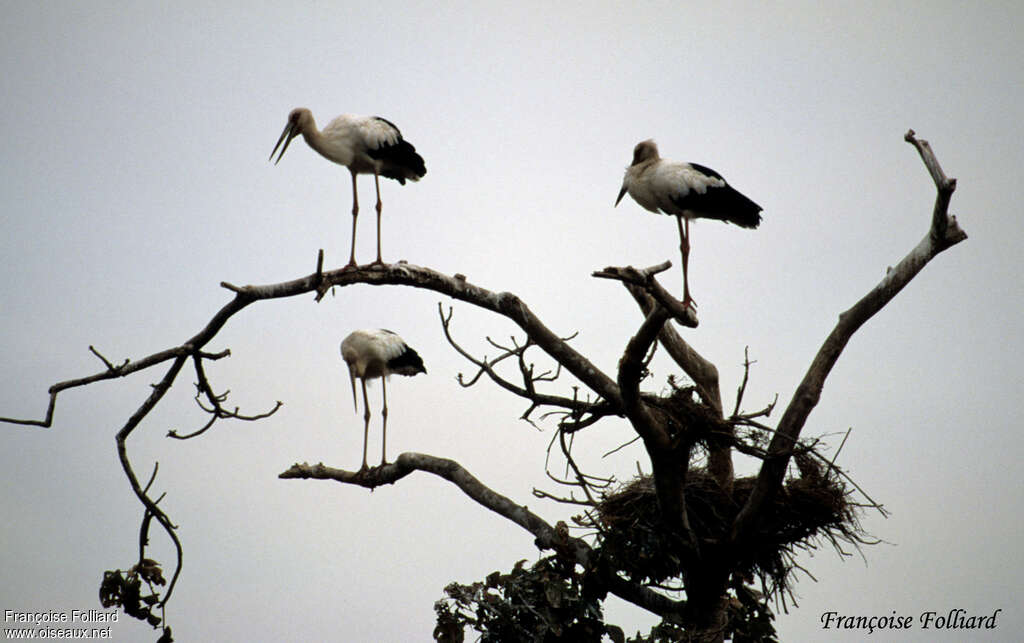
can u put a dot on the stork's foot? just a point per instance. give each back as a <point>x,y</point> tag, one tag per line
<point>689,303</point>
<point>377,263</point>
<point>351,265</point>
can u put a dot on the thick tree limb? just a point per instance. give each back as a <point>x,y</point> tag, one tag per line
<point>943,233</point>
<point>504,303</point>
<point>669,461</point>
<point>703,373</point>
<point>455,473</point>
<point>546,536</point>
<point>705,377</point>
<point>631,372</point>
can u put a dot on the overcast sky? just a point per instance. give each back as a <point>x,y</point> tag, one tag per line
<point>134,179</point>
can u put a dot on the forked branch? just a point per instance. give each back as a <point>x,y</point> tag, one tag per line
<point>528,389</point>
<point>644,279</point>
<point>943,232</point>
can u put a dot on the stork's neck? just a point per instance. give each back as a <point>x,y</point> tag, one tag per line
<point>313,136</point>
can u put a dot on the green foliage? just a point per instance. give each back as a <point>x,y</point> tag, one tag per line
<point>543,603</point>
<point>550,602</point>
<point>749,619</point>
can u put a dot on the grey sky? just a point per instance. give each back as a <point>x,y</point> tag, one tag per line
<point>134,178</point>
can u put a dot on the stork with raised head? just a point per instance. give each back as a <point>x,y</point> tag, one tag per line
<point>363,144</point>
<point>688,191</point>
<point>377,354</point>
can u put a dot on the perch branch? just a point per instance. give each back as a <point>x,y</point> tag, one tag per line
<point>644,279</point>
<point>546,536</point>
<point>504,303</point>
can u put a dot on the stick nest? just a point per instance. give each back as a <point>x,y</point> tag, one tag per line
<point>806,511</point>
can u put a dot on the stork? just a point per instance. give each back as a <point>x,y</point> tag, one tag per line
<point>377,353</point>
<point>688,191</point>
<point>363,144</point>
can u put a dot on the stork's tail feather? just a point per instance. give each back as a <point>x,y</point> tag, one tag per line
<point>402,162</point>
<point>740,210</point>
<point>747,218</point>
<point>408,362</point>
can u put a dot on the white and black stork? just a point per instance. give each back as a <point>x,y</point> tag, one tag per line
<point>363,144</point>
<point>688,191</point>
<point>377,354</point>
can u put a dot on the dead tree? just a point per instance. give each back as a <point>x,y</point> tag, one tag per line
<point>685,542</point>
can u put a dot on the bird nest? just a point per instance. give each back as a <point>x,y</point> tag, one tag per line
<point>806,511</point>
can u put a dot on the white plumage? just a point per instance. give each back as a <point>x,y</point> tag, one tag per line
<point>363,144</point>
<point>376,354</point>
<point>686,190</point>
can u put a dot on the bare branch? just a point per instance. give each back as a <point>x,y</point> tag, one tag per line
<point>503,303</point>
<point>588,484</point>
<point>157,393</point>
<point>544,495</point>
<point>944,187</point>
<point>110,367</point>
<point>703,373</point>
<point>452,471</point>
<point>832,462</point>
<point>631,372</point>
<point>645,280</point>
<point>705,377</point>
<point>216,408</point>
<point>109,373</point>
<point>943,233</point>
<point>546,536</point>
<point>743,385</point>
<point>621,446</point>
<point>528,389</point>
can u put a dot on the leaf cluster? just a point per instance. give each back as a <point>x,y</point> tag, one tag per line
<point>124,590</point>
<point>548,602</point>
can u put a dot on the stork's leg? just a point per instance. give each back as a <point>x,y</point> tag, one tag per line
<point>384,414</point>
<point>684,249</point>
<point>366,423</point>
<point>355,215</point>
<point>380,206</point>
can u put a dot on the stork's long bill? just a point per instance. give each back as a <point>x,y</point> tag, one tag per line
<point>622,193</point>
<point>352,376</point>
<point>291,130</point>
